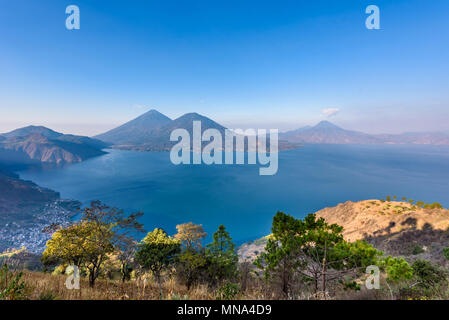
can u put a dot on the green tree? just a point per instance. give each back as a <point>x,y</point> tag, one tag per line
<point>191,266</point>
<point>192,260</point>
<point>311,249</point>
<point>280,260</point>
<point>428,275</point>
<point>157,252</point>
<point>328,257</point>
<point>222,256</point>
<point>397,270</point>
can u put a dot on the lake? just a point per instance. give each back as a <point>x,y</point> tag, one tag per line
<point>308,179</point>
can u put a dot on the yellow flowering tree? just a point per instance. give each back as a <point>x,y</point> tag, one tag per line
<point>88,243</point>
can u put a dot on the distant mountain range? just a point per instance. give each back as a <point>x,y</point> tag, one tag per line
<point>37,144</point>
<point>151,131</point>
<point>26,208</point>
<point>328,133</point>
<point>138,131</point>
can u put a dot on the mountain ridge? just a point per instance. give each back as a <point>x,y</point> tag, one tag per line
<point>38,144</point>
<point>397,228</point>
<point>326,132</point>
<point>136,131</point>
<point>149,135</point>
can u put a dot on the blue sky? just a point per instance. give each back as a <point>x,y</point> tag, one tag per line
<point>272,64</point>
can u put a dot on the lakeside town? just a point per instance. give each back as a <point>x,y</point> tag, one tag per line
<point>30,234</point>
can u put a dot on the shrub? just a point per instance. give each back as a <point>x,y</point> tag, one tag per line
<point>436,205</point>
<point>416,249</point>
<point>397,268</point>
<point>428,274</point>
<point>11,285</point>
<point>222,257</point>
<point>228,291</point>
<point>351,285</point>
<point>47,295</point>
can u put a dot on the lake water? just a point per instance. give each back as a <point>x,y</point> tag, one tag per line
<point>308,179</point>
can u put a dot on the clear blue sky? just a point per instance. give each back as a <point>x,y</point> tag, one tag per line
<point>274,64</point>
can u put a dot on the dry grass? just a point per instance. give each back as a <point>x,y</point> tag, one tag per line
<point>372,217</point>
<point>44,285</point>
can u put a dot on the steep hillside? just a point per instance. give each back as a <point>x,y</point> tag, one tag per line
<point>40,130</point>
<point>138,131</point>
<point>40,144</point>
<point>26,209</point>
<point>17,196</point>
<point>396,228</point>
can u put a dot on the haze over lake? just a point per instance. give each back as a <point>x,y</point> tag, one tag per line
<point>308,180</point>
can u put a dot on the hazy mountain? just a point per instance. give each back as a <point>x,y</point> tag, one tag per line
<point>159,139</point>
<point>152,130</point>
<point>186,122</point>
<point>327,132</point>
<point>83,141</point>
<point>430,138</point>
<point>297,131</point>
<point>138,131</point>
<point>43,131</point>
<point>39,144</point>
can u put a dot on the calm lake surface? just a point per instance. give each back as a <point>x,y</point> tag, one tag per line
<point>308,179</point>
